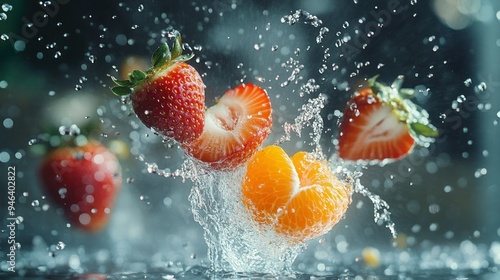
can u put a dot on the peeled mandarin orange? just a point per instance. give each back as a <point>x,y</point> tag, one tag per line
<point>299,197</point>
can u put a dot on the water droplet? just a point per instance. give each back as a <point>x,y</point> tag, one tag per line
<point>33,141</point>
<point>4,37</point>
<point>8,123</point>
<point>62,192</point>
<point>481,87</point>
<point>433,227</point>
<point>140,8</point>
<point>461,98</point>
<point>480,172</point>
<point>6,7</point>
<point>60,246</point>
<point>345,24</point>
<point>434,208</point>
<point>35,203</point>
<point>3,16</point>
<point>71,130</point>
<point>322,32</point>
<point>468,82</point>
<point>84,219</point>
<point>19,45</point>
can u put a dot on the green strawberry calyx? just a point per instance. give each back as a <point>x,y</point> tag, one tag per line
<point>408,112</point>
<point>163,57</point>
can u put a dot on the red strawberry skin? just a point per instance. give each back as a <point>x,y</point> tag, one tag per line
<point>172,102</point>
<point>370,130</point>
<point>83,181</point>
<point>234,128</point>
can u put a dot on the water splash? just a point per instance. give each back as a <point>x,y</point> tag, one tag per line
<point>381,213</point>
<point>235,242</point>
<point>309,116</point>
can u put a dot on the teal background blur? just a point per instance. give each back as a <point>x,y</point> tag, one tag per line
<point>449,193</point>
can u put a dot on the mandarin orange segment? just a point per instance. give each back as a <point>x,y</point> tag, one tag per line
<point>312,171</point>
<point>270,181</point>
<point>298,197</point>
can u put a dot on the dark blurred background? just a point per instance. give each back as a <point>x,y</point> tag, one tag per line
<point>56,58</point>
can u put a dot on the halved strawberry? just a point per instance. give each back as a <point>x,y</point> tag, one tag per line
<point>380,123</point>
<point>234,128</point>
<point>170,96</point>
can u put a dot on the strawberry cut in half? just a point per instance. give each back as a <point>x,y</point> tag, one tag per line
<point>234,128</point>
<point>380,124</point>
<point>170,96</point>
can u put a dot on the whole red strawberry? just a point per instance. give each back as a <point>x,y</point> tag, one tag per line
<point>381,124</point>
<point>170,96</point>
<point>83,181</point>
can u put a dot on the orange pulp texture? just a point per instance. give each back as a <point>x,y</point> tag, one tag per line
<point>298,197</point>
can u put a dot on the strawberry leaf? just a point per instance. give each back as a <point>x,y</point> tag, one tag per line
<point>372,80</point>
<point>177,48</point>
<point>424,130</point>
<point>184,57</point>
<point>161,55</point>
<point>123,83</point>
<point>406,92</point>
<point>121,91</point>
<point>379,89</point>
<point>398,82</point>
<point>137,77</point>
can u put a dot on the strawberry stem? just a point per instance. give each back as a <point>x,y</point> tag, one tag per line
<point>162,58</point>
<point>415,117</point>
